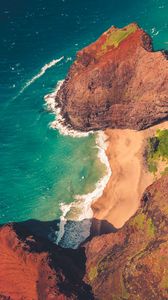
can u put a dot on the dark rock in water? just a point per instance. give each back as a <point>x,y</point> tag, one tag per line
<point>116,82</point>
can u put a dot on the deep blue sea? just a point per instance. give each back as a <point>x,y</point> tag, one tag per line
<point>39,167</point>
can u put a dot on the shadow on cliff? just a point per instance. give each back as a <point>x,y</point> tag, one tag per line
<point>71,261</point>
<point>47,229</point>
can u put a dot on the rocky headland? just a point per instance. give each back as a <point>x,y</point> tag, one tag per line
<point>118,84</point>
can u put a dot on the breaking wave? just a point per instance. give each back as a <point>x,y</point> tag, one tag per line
<point>41,73</point>
<point>68,237</point>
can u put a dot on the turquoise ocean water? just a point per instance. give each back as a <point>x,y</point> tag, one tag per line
<point>39,167</point>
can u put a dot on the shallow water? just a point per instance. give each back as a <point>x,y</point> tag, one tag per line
<point>39,167</point>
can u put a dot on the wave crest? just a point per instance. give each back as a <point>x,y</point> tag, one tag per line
<point>42,71</point>
<point>82,202</point>
<point>59,123</point>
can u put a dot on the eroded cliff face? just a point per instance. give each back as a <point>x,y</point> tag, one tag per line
<point>116,82</point>
<point>33,269</point>
<point>133,263</point>
<point>129,264</point>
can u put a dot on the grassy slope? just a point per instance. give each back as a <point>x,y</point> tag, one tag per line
<point>157,151</point>
<point>116,36</point>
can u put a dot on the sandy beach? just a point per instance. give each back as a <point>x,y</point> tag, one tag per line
<point>130,175</point>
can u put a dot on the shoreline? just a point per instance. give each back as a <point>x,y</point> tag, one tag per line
<point>82,202</point>
<point>81,223</point>
<point>130,176</point>
<point>60,123</point>
<point>117,194</point>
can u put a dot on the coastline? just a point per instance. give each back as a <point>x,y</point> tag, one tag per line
<point>117,194</point>
<point>76,219</point>
<point>82,202</point>
<point>129,178</point>
<point>60,123</point>
<point>82,221</point>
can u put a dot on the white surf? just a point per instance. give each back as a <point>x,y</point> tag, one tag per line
<point>41,73</point>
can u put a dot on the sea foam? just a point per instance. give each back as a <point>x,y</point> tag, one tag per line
<point>41,73</point>
<point>82,202</point>
<point>59,123</point>
<point>82,221</point>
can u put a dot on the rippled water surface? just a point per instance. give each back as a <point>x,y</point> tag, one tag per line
<point>39,167</point>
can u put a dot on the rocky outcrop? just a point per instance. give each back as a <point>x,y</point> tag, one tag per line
<point>133,263</point>
<point>116,82</point>
<point>33,269</point>
<point>129,264</point>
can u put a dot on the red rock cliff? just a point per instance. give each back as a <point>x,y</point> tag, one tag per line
<point>116,82</point>
<point>33,269</point>
<point>133,263</point>
<point>127,265</point>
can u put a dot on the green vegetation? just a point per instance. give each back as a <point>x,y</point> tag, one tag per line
<point>144,223</point>
<point>125,294</point>
<point>165,171</point>
<point>164,282</point>
<point>157,151</point>
<point>92,273</point>
<point>139,221</point>
<point>150,228</point>
<point>115,37</point>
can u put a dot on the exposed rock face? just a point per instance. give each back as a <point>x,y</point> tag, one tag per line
<point>129,264</point>
<point>116,82</point>
<point>133,263</point>
<point>35,270</point>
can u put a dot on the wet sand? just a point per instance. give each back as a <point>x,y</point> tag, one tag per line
<point>130,175</point>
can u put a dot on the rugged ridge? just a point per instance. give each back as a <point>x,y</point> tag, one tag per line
<point>34,269</point>
<point>116,82</point>
<point>129,264</point>
<point>133,263</point>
